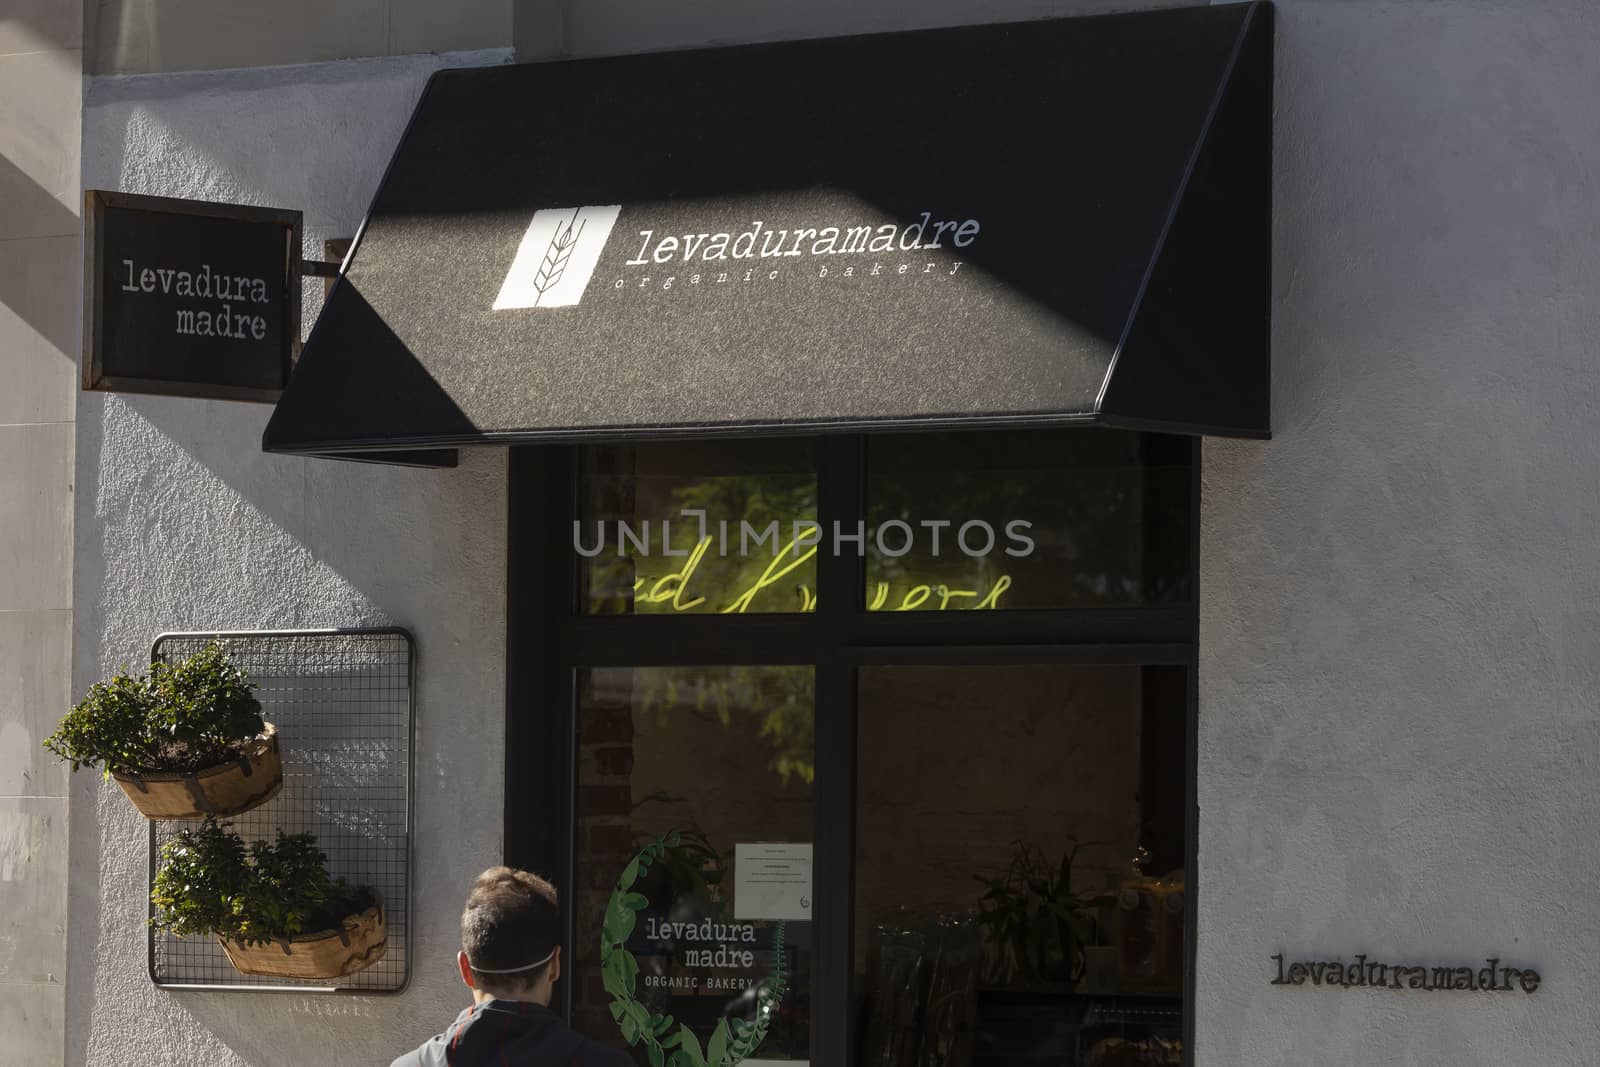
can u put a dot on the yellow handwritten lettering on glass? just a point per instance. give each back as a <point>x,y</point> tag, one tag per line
<point>673,589</point>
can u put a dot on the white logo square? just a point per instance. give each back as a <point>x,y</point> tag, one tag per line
<point>557,257</point>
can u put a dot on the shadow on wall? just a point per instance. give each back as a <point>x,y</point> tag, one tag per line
<point>309,542</point>
<point>47,217</point>
<point>223,535</point>
<point>159,135</point>
<point>189,526</point>
<point>183,523</point>
<point>41,27</point>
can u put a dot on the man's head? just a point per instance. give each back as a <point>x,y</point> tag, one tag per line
<point>509,933</point>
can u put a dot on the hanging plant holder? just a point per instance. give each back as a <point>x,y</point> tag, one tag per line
<point>342,702</point>
<point>185,740</point>
<point>359,941</point>
<point>222,790</point>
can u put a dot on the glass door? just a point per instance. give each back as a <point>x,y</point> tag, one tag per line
<point>693,907</point>
<point>1019,881</point>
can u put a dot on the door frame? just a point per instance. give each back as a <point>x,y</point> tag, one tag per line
<point>548,642</point>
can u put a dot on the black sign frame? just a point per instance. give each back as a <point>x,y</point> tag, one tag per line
<point>95,342</point>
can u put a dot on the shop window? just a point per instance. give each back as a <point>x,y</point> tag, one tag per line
<point>705,774</point>
<point>1027,519</point>
<point>698,528</point>
<point>703,733</point>
<point>1019,854</point>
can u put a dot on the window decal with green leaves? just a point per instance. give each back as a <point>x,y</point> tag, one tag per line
<point>666,1041</point>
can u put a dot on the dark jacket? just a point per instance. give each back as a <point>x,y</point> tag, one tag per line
<point>509,1033</point>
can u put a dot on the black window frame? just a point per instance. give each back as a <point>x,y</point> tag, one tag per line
<point>548,642</point>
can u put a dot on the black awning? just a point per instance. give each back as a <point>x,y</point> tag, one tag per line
<point>1059,221</point>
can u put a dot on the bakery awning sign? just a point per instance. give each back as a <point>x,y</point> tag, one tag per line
<point>1060,222</point>
<point>189,298</point>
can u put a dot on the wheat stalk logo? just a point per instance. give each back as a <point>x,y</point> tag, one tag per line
<point>556,256</point>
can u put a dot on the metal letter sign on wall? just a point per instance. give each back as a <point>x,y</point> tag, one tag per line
<point>189,298</point>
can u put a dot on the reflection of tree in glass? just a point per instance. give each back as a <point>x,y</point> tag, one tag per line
<point>781,699</point>
<point>1108,513</point>
<point>956,496</point>
<point>732,564</point>
<point>758,500</point>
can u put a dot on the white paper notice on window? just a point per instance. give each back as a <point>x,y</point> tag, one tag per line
<point>772,881</point>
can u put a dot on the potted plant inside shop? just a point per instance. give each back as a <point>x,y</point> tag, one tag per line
<point>273,906</point>
<point>184,741</point>
<point>1036,925</point>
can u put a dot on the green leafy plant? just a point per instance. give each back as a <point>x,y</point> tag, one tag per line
<point>179,717</point>
<point>1034,920</point>
<point>732,1040</point>
<point>691,868</point>
<point>210,883</point>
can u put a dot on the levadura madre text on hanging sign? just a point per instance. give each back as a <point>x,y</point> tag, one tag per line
<point>223,319</point>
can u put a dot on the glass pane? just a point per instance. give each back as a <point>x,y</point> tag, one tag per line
<point>694,842</point>
<point>1019,865</point>
<point>1027,519</point>
<point>698,527</point>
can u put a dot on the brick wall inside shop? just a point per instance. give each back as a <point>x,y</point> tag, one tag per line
<point>605,804</point>
<point>605,789</point>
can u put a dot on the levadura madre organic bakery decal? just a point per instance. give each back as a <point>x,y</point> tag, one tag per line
<point>559,254</point>
<point>693,982</point>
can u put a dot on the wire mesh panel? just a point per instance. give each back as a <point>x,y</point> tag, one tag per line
<point>342,701</point>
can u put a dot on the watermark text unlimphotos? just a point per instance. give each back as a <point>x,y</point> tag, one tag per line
<point>893,538</point>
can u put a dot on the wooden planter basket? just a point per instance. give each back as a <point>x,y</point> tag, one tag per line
<point>227,789</point>
<point>358,942</point>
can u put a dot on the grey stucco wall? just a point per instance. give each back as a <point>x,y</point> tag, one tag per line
<point>1400,601</point>
<point>545,28</point>
<point>155,36</point>
<point>183,523</point>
